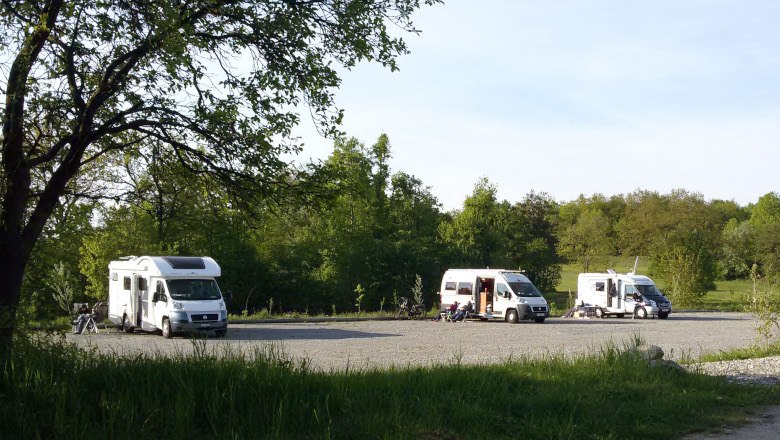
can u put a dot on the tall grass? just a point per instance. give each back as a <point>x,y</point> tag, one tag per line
<point>53,390</point>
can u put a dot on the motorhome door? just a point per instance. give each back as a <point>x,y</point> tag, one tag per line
<point>503,299</point>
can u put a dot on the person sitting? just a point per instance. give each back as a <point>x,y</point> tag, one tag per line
<point>462,312</point>
<point>448,312</point>
<point>81,321</point>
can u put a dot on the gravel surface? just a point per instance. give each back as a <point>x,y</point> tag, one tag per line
<point>361,344</point>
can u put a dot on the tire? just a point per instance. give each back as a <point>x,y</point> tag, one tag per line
<point>167,333</point>
<point>539,320</point>
<point>640,313</point>
<point>511,316</point>
<point>126,325</point>
<point>663,315</point>
<point>600,313</point>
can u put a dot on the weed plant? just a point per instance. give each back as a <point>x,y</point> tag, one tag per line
<point>54,390</point>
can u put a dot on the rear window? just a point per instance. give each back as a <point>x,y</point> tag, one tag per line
<point>465,288</point>
<point>449,285</point>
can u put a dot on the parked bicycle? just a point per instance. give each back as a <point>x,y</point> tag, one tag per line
<point>405,310</point>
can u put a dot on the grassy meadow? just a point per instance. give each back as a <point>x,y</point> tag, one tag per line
<point>53,390</point>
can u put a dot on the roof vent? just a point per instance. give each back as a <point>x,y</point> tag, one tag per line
<point>185,262</point>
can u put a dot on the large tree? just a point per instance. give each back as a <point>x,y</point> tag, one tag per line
<point>217,82</point>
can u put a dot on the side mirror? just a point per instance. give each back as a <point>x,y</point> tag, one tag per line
<point>155,297</point>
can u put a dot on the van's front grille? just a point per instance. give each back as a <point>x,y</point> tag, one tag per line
<point>201,317</point>
<point>540,309</point>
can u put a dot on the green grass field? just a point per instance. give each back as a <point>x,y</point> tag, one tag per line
<point>52,390</point>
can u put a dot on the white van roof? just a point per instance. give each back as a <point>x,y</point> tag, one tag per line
<point>170,266</point>
<point>635,279</point>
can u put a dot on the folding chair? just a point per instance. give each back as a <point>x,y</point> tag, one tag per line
<point>90,325</point>
<point>92,320</point>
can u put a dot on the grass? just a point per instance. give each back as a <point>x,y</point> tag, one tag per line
<point>752,352</point>
<point>53,390</point>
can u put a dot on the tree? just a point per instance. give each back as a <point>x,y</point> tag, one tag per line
<point>216,82</point>
<point>473,232</point>
<point>587,241</point>
<point>531,244</point>
<point>766,211</point>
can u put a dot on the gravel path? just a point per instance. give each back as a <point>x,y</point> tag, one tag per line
<point>359,344</point>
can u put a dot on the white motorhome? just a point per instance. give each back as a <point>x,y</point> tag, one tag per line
<point>622,294</point>
<point>169,294</point>
<point>495,293</point>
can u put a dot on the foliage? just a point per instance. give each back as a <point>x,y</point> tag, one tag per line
<point>215,85</point>
<point>764,306</point>
<point>62,287</point>
<point>686,275</point>
<point>417,292</point>
<point>587,241</point>
<point>738,249</point>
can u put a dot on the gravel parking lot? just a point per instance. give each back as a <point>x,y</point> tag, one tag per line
<point>361,344</point>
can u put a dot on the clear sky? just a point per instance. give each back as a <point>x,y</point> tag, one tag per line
<point>578,97</point>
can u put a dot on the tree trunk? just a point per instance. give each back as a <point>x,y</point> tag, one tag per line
<point>11,273</point>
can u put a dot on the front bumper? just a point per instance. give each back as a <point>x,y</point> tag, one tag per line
<point>528,311</point>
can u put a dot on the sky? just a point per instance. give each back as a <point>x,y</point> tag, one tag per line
<point>577,97</point>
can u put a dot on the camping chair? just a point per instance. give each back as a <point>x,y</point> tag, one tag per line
<point>91,323</point>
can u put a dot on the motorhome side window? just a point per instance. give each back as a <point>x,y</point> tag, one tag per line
<point>127,283</point>
<point>599,286</point>
<point>464,288</point>
<point>502,290</point>
<point>141,283</point>
<point>450,285</point>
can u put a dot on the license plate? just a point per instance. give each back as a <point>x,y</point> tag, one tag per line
<point>540,314</point>
<point>664,310</point>
<point>205,325</point>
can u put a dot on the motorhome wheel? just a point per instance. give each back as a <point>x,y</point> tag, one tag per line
<point>166,329</point>
<point>126,324</point>
<point>511,316</point>
<point>641,313</point>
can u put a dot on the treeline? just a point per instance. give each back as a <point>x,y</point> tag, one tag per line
<point>354,234</point>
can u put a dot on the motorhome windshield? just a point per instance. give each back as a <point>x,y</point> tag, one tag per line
<point>524,289</point>
<point>193,290</point>
<point>648,290</point>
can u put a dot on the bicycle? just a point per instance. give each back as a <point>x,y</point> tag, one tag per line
<point>407,311</point>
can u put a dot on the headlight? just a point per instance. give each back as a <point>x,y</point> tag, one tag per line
<point>521,301</point>
<point>178,305</point>
<point>179,317</point>
<point>221,304</point>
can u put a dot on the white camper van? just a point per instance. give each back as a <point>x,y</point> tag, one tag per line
<point>170,294</point>
<point>622,294</point>
<point>495,293</point>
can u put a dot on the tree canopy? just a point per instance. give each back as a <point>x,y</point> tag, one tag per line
<point>217,83</point>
